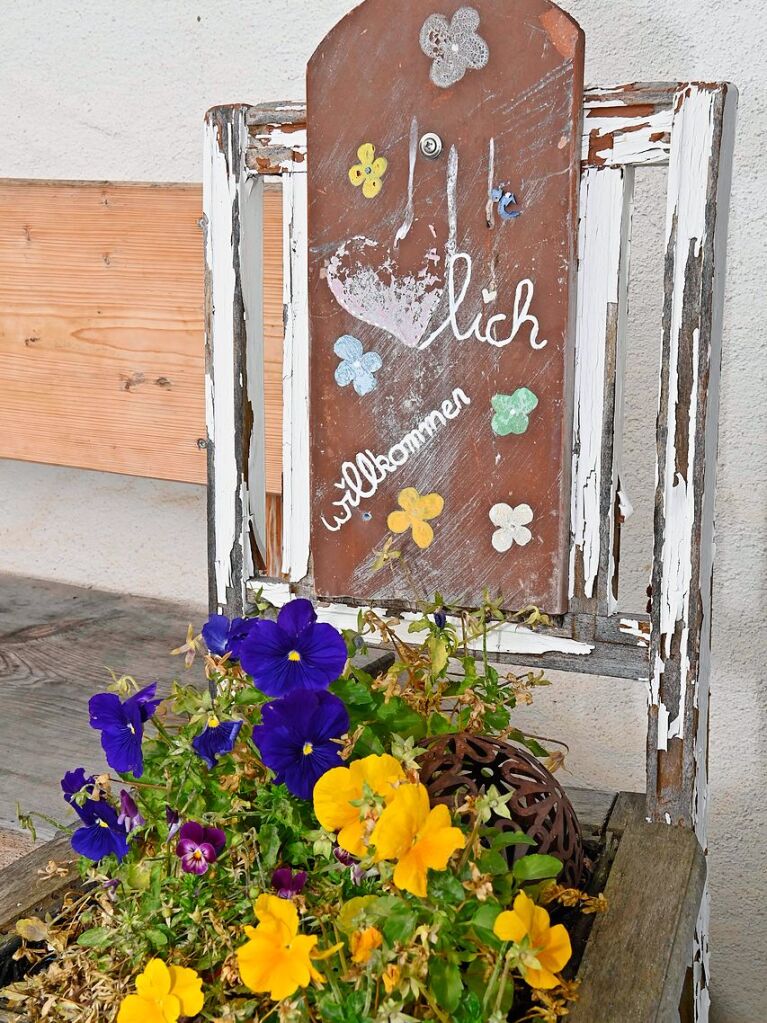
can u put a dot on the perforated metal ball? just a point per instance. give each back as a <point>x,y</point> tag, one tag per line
<point>458,765</point>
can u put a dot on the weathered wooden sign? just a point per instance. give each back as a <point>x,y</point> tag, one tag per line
<point>444,143</point>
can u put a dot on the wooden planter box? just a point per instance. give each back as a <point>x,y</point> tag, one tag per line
<point>634,965</point>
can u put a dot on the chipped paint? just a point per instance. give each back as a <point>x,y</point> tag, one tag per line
<point>633,627</point>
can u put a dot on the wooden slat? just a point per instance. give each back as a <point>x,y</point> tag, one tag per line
<point>25,887</point>
<point>101,328</point>
<point>634,967</point>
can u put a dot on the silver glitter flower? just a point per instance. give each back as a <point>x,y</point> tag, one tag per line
<point>454,46</point>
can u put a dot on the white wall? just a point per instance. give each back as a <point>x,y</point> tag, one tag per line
<point>118,90</point>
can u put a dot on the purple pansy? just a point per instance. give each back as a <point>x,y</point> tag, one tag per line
<point>101,833</point>
<point>296,739</point>
<point>440,619</point>
<point>73,783</point>
<point>223,636</point>
<point>216,739</point>
<point>130,816</point>
<point>121,723</point>
<point>287,883</point>
<point>173,820</point>
<point>198,847</point>
<point>295,652</point>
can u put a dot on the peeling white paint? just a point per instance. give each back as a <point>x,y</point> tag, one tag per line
<point>633,627</point>
<point>629,141</point>
<point>296,462</point>
<point>505,639</point>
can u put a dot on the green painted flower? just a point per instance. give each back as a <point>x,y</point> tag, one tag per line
<point>512,411</point>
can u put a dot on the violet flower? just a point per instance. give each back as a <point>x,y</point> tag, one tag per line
<point>75,782</point>
<point>297,739</point>
<point>121,724</point>
<point>101,833</point>
<point>130,817</point>
<point>295,652</point>
<point>198,847</point>
<point>173,820</point>
<point>225,637</point>
<point>216,739</point>
<point>287,883</point>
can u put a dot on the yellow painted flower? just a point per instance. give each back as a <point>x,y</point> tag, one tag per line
<point>391,977</point>
<point>164,993</point>
<point>341,787</point>
<point>276,959</point>
<point>364,943</point>
<point>417,836</point>
<point>369,171</point>
<point>543,950</point>
<point>415,512</point>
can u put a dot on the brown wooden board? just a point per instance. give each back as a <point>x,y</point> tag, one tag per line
<point>101,327</point>
<point>441,314</point>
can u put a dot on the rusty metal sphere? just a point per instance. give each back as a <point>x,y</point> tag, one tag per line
<point>454,766</point>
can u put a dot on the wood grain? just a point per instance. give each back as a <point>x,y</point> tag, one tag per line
<point>101,328</point>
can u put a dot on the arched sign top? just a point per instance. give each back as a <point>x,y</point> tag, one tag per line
<point>444,141</point>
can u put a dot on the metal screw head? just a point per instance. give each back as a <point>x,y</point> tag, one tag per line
<point>431,145</point>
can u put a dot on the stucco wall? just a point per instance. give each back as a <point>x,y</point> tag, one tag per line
<point>117,90</point>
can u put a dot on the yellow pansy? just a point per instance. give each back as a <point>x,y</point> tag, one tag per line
<point>341,787</point>
<point>543,950</point>
<point>364,943</point>
<point>369,171</point>
<point>415,511</point>
<point>276,958</point>
<point>418,837</point>
<point>164,993</point>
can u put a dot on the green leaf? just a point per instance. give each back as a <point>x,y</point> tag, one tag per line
<point>446,984</point>
<point>536,867</point>
<point>469,1009</point>
<point>483,920</point>
<point>502,839</point>
<point>445,887</point>
<point>496,720</point>
<point>493,862</point>
<point>156,937</point>
<point>96,937</point>
<point>400,924</point>
<point>439,724</point>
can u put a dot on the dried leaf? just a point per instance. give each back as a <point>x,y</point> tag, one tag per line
<point>32,929</point>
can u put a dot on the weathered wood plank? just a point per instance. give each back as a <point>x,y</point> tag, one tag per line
<point>634,967</point>
<point>56,643</point>
<point>26,887</point>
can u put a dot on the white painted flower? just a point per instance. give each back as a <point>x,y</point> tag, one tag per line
<point>512,525</point>
<point>454,46</point>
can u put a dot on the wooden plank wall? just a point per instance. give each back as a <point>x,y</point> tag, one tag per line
<point>101,328</point>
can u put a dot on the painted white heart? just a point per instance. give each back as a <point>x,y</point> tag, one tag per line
<point>367,285</point>
<point>489,296</point>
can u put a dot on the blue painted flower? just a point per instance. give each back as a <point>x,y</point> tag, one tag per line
<point>101,833</point>
<point>130,816</point>
<point>297,738</point>
<point>357,366</point>
<point>121,724</point>
<point>295,652</point>
<point>217,738</point>
<point>225,637</point>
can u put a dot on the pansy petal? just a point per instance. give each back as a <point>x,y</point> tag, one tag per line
<point>135,1009</point>
<point>186,985</point>
<point>366,153</point>
<point>155,980</point>
<point>323,655</point>
<point>508,926</point>
<point>542,979</point>
<point>332,717</point>
<point>558,949</point>
<point>272,906</point>
<point>371,186</point>
<point>296,616</point>
<point>106,711</point>
<point>93,842</point>
<point>348,347</point>
<point>215,632</point>
<point>524,907</point>
<point>333,795</point>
